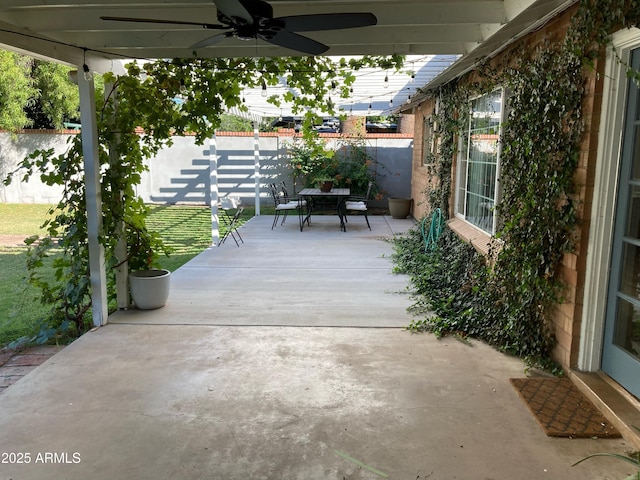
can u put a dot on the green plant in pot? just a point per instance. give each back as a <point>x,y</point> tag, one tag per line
<point>325,177</point>
<point>148,283</point>
<point>324,183</point>
<point>310,161</point>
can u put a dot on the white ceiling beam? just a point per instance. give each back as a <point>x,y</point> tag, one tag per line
<point>31,4</point>
<point>184,39</point>
<point>267,50</point>
<point>513,8</point>
<point>25,42</point>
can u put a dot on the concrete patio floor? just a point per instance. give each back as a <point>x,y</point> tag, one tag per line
<point>282,359</point>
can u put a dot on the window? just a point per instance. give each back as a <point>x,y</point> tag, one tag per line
<point>478,162</point>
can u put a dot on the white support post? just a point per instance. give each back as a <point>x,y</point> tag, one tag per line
<point>213,190</point>
<point>94,200</point>
<point>256,155</point>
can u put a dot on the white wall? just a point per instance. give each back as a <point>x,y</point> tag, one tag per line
<point>13,149</point>
<point>180,174</point>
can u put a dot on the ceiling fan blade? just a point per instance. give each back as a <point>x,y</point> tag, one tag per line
<point>208,26</point>
<point>234,9</point>
<point>296,42</point>
<point>207,42</point>
<point>327,21</point>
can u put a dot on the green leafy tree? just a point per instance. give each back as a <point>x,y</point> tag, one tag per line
<point>232,123</point>
<point>56,100</point>
<point>16,90</point>
<point>35,93</point>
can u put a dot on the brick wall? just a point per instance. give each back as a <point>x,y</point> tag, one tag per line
<point>421,180</point>
<point>568,316</point>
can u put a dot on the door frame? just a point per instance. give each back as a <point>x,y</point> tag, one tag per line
<point>614,99</point>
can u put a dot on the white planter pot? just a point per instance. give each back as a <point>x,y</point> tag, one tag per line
<point>149,288</point>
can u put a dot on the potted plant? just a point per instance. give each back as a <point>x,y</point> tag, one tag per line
<point>148,283</point>
<point>149,288</point>
<point>311,162</point>
<point>400,207</point>
<point>324,182</point>
<point>326,175</point>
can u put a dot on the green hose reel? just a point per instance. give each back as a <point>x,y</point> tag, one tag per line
<point>435,229</point>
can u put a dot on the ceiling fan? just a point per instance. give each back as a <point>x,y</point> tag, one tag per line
<point>253,19</point>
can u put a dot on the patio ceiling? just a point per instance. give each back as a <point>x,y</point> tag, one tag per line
<point>71,31</point>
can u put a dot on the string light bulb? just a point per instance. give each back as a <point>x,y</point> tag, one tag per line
<point>87,73</point>
<point>264,88</point>
<point>386,81</point>
<point>85,68</point>
<point>391,103</point>
<point>370,106</point>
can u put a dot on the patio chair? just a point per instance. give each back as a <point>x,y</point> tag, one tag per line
<point>231,222</point>
<point>283,189</point>
<point>358,204</point>
<point>283,205</point>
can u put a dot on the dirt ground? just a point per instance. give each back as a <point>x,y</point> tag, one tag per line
<point>12,240</point>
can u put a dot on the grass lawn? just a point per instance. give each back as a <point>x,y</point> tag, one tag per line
<point>24,219</point>
<point>19,309</point>
<point>187,229</point>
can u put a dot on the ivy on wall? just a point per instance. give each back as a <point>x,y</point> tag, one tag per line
<point>509,302</point>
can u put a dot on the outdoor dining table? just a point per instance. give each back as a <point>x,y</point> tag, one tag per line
<point>339,194</point>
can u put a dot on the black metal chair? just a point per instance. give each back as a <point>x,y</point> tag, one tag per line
<point>283,189</point>
<point>358,204</point>
<point>283,205</point>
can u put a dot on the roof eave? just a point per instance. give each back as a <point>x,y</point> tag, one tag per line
<point>520,26</point>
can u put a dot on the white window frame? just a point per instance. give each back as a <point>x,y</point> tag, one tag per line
<point>428,140</point>
<point>462,173</point>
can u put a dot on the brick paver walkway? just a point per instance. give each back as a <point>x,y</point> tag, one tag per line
<point>16,364</point>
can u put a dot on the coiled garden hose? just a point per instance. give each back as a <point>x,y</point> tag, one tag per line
<point>435,229</point>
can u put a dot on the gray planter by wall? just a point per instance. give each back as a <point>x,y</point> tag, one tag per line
<point>149,288</point>
<point>400,207</point>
